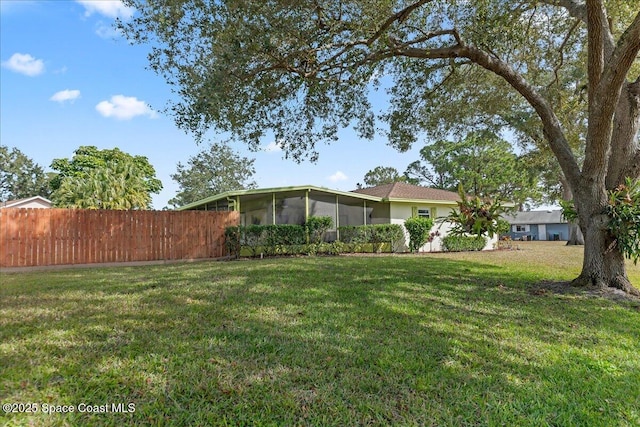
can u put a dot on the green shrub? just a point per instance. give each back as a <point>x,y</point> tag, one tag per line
<point>624,217</point>
<point>284,239</point>
<point>385,233</point>
<point>456,243</point>
<point>285,234</point>
<point>356,238</point>
<point>353,234</point>
<point>476,216</point>
<point>418,229</point>
<point>232,241</point>
<point>317,226</point>
<point>253,237</point>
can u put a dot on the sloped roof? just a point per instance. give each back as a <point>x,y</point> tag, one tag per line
<point>258,191</point>
<point>536,217</point>
<point>402,190</point>
<point>18,202</point>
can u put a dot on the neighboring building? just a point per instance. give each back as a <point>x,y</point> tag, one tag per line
<point>31,202</point>
<point>385,204</point>
<point>538,225</point>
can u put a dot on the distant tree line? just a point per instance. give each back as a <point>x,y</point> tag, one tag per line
<point>113,179</point>
<point>484,164</point>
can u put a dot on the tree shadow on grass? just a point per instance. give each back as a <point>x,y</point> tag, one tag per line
<point>322,341</point>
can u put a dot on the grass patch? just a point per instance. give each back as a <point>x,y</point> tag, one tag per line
<point>448,339</point>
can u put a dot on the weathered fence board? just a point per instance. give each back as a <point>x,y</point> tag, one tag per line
<point>40,237</point>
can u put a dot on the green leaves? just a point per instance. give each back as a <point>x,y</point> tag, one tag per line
<point>418,229</point>
<point>20,177</point>
<point>476,216</point>
<point>317,226</point>
<point>104,179</point>
<point>482,163</point>
<point>212,171</point>
<point>381,175</point>
<point>117,185</point>
<point>624,217</point>
<point>623,210</point>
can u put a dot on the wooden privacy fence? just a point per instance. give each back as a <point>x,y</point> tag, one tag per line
<point>40,237</point>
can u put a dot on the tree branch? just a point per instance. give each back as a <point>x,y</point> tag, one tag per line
<point>605,98</point>
<point>561,52</point>
<point>595,60</point>
<point>399,16</point>
<point>578,10</point>
<point>625,147</point>
<point>552,129</point>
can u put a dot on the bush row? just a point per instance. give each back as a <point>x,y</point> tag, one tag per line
<point>255,240</point>
<point>374,235</point>
<point>455,243</point>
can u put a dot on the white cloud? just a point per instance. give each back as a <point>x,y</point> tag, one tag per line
<point>65,95</point>
<point>109,8</point>
<point>338,176</point>
<point>107,31</point>
<point>124,108</point>
<point>273,146</point>
<point>24,63</point>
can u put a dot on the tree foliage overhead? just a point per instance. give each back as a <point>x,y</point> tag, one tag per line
<point>212,171</point>
<point>104,179</point>
<point>304,69</point>
<point>20,176</point>
<point>482,163</point>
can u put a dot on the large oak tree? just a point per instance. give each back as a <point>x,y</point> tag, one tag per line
<point>305,69</point>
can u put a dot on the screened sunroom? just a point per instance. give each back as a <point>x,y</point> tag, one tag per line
<point>293,205</point>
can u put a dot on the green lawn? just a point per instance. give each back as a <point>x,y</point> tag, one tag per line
<point>447,339</point>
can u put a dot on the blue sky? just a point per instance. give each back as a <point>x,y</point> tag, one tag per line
<point>67,79</point>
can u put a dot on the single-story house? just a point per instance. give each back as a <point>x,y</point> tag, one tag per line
<point>538,225</point>
<point>30,202</point>
<point>384,204</point>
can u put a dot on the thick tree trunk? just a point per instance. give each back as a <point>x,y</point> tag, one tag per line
<point>603,265</point>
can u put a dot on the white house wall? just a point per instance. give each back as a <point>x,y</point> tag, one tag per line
<point>400,212</point>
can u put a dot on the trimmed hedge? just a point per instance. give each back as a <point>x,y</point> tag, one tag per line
<point>453,243</point>
<point>357,237</point>
<point>255,240</point>
<point>317,226</point>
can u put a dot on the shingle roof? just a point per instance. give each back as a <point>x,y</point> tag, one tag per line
<point>402,190</point>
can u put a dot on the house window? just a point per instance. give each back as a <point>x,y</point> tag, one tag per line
<point>521,228</point>
<point>424,213</point>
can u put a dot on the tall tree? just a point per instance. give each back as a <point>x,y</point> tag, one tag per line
<point>104,179</point>
<point>304,69</point>
<point>116,185</point>
<point>381,175</point>
<point>20,176</point>
<point>212,171</point>
<point>484,164</point>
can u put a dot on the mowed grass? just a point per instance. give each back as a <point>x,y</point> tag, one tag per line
<point>446,339</point>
